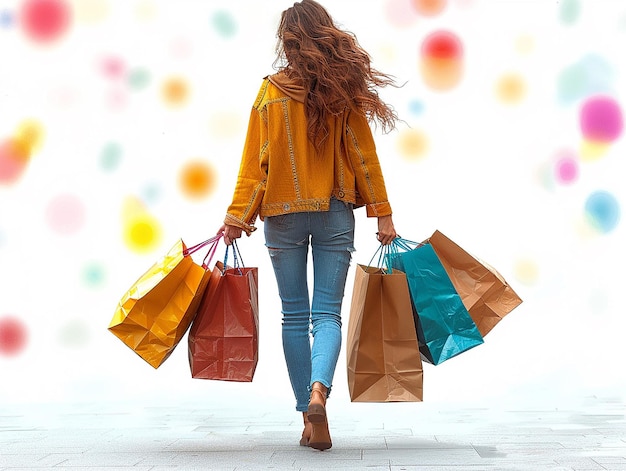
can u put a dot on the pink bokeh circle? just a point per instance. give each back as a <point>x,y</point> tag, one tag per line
<point>65,214</point>
<point>601,119</point>
<point>566,169</point>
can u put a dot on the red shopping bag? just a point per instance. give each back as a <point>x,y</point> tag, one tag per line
<point>223,340</point>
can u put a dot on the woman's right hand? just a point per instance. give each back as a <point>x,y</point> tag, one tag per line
<point>230,233</point>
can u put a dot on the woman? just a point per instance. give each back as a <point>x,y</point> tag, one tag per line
<point>309,158</point>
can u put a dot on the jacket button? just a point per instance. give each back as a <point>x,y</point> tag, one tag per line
<point>286,207</point>
<point>341,194</point>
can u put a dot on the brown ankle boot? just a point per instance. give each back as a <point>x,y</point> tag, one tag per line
<point>308,430</point>
<point>320,436</point>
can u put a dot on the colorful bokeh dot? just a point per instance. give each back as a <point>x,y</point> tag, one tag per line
<point>6,18</point>
<point>441,61</point>
<point>175,91</point>
<point>593,150</point>
<point>601,119</point>
<point>113,67</point>
<point>74,334</point>
<point>91,11</point>
<point>13,336</point>
<point>224,23</point>
<point>526,271</point>
<point>225,124</point>
<point>151,192</point>
<point>31,133</point>
<point>429,7</point>
<point>93,274</point>
<point>111,156</point>
<point>401,13</point>
<point>14,157</point>
<point>141,230</point>
<point>146,10</point>
<point>525,44</point>
<point>413,144</point>
<point>416,107</point>
<point>139,78</point>
<point>142,233</point>
<point>45,21</point>
<point>603,211</point>
<point>65,214</point>
<point>566,168</point>
<point>197,179</point>
<point>510,89</point>
<point>569,11</point>
<point>590,75</point>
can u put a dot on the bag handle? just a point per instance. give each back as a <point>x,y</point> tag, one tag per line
<point>237,260</point>
<point>213,242</point>
<point>197,247</point>
<point>382,251</point>
<point>405,245</point>
<point>385,251</point>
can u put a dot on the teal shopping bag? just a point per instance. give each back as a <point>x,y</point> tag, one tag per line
<point>444,326</point>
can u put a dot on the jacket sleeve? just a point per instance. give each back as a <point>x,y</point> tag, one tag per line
<point>251,180</point>
<point>370,183</point>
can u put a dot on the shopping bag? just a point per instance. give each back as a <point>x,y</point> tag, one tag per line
<point>155,313</point>
<point>223,340</point>
<point>484,292</point>
<point>383,358</point>
<point>444,326</point>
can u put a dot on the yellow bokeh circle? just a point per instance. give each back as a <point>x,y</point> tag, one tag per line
<point>413,144</point>
<point>142,233</point>
<point>30,133</point>
<point>527,272</point>
<point>511,89</point>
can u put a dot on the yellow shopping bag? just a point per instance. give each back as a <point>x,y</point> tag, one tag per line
<point>154,314</point>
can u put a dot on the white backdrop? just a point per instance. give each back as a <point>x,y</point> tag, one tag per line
<point>482,163</point>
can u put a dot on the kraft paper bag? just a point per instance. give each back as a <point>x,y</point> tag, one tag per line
<point>484,292</point>
<point>155,313</point>
<point>383,357</point>
<point>223,340</point>
<point>445,328</point>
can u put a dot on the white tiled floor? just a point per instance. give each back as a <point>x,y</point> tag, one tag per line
<point>170,435</point>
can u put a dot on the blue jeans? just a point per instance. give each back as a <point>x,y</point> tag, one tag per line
<point>331,236</point>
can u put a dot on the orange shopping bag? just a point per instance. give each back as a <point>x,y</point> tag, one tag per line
<point>154,314</point>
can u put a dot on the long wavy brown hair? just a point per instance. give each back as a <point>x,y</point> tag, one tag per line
<point>335,70</point>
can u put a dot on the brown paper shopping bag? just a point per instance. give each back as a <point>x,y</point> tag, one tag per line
<point>155,313</point>
<point>223,340</point>
<point>384,363</point>
<point>484,292</point>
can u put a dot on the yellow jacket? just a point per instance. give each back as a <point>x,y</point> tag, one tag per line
<point>281,172</point>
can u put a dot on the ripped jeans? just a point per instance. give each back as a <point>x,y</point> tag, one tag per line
<point>287,237</point>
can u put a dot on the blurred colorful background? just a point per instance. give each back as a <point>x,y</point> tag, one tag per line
<point>121,129</point>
